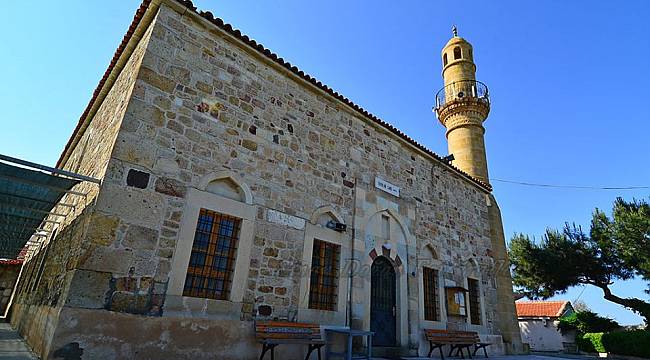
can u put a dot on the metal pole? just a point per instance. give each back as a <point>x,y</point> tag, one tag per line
<point>50,169</point>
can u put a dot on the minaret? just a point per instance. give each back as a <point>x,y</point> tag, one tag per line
<point>462,106</point>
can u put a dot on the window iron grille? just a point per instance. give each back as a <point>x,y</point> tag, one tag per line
<point>431,298</point>
<point>212,261</point>
<point>324,276</point>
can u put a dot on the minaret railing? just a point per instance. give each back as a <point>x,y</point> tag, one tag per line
<point>462,90</point>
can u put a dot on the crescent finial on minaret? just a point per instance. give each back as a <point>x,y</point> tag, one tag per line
<point>454,30</point>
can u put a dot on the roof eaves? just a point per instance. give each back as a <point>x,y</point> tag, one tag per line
<point>274,57</point>
<point>139,14</point>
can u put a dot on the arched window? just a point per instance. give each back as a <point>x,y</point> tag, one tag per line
<point>227,188</point>
<point>432,287</point>
<point>215,238</point>
<point>457,53</point>
<point>444,59</point>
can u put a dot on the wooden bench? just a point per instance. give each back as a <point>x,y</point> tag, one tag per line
<point>457,340</point>
<point>273,333</point>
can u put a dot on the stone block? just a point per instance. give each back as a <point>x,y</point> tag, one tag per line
<point>128,302</point>
<point>131,205</point>
<point>271,252</point>
<point>145,285</point>
<point>105,259</point>
<point>171,187</point>
<point>126,283</point>
<point>102,229</point>
<point>140,237</point>
<point>249,144</point>
<point>132,149</point>
<point>88,289</point>
<point>162,272</point>
<point>156,80</point>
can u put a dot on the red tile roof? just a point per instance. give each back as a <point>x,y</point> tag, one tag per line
<point>269,54</point>
<point>541,308</point>
<point>11,261</point>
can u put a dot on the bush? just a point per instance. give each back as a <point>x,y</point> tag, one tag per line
<point>632,343</point>
<point>587,322</point>
<point>591,342</point>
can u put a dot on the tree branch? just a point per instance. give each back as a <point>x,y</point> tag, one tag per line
<point>639,306</point>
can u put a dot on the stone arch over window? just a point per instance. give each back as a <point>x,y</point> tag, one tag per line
<point>318,237</point>
<point>472,268</point>
<point>431,252</point>
<point>457,53</point>
<point>444,59</point>
<point>431,291</point>
<point>475,297</point>
<point>220,195</point>
<point>325,214</point>
<point>228,185</point>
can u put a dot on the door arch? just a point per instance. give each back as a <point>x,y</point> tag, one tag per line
<point>383,311</point>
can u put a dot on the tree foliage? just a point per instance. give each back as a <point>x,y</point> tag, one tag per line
<point>587,322</point>
<point>616,248</point>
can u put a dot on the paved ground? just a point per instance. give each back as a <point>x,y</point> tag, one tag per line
<point>12,346</point>
<point>509,357</point>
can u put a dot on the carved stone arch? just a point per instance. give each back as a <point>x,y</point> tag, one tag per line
<point>227,184</point>
<point>389,249</point>
<point>325,213</point>
<point>472,268</point>
<point>400,221</point>
<point>431,252</point>
<point>391,256</point>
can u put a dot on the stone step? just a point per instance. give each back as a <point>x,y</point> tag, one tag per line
<point>389,352</point>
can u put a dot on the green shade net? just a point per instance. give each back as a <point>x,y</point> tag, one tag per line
<point>26,196</point>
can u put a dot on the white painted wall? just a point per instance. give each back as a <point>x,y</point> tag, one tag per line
<point>542,335</point>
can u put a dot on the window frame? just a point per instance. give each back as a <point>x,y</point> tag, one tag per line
<point>321,289</point>
<point>221,246</point>
<point>430,260</point>
<point>195,201</point>
<point>427,286</point>
<point>315,231</point>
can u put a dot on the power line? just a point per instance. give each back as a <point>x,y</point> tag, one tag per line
<point>572,186</point>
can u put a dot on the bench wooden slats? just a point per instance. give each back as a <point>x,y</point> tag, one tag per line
<point>457,340</point>
<point>273,333</point>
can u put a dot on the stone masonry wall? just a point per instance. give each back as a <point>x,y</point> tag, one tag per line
<point>8,276</point>
<point>205,103</point>
<point>49,270</point>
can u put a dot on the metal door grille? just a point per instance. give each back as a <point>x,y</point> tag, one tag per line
<point>383,285</point>
<point>212,261</point>
<point>382,302</point>
<point>474,301</point>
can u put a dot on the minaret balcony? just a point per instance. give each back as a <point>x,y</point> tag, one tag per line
<point>462,92</point>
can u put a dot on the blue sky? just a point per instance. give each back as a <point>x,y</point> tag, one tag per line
<point>569,82</point>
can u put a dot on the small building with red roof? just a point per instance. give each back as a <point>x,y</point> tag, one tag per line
<point>538,323</point>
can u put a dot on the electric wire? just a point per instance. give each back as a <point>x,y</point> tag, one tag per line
<point>571,186</point>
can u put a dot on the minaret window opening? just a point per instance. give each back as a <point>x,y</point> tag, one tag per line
<point>444,59</point>
<point>457,53</point>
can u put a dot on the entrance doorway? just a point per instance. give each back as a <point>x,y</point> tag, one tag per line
<point>382,302</point>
